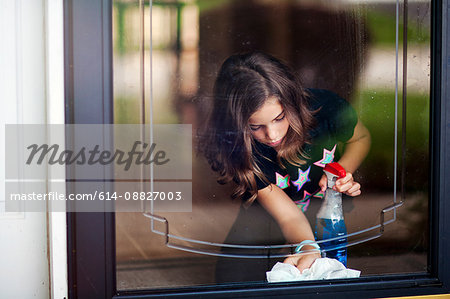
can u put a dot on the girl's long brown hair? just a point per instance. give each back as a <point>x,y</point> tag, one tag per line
<point>244,83</point>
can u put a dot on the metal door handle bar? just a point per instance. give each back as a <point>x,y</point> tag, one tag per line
<point>193,249</point>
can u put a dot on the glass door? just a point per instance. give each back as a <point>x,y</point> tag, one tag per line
<point>375,55</point>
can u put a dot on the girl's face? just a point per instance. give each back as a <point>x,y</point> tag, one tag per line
<point>269,124</point>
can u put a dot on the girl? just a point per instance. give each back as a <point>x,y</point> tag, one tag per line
<point>272,138</point>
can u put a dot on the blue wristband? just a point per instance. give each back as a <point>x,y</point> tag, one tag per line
<point>307,242</point>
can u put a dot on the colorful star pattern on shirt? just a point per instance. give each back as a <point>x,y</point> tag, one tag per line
<point>302,178</point>
<point>306,195</point>
<point>302,204</point>
<point>320,194</point>
<point>282,181</point>
<point>328,157</point>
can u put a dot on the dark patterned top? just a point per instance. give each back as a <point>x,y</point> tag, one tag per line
<point>335,124</point>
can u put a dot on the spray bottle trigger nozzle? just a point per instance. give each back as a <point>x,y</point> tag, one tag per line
<point>336,169</point>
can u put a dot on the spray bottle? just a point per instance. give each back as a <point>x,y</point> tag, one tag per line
<point>330,218</point>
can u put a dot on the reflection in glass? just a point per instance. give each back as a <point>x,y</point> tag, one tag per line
<point>347,47</point>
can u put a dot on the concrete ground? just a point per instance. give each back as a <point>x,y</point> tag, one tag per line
<point>195,271</point>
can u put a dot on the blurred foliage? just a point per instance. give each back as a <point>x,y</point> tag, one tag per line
<point>376,109</point>
<point>205,5</point>
<point>126,110</point>
<point>381,24</point>
<point>382,29</point>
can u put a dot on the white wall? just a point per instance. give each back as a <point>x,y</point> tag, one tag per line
<point>31,92</point>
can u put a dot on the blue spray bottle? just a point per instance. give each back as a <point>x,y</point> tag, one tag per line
<point>330,218</point>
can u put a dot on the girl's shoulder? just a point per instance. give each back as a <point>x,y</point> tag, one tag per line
<point>324,99</point>
<point>333,114</point>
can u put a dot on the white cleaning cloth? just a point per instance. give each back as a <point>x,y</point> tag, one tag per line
<point>322,268</point>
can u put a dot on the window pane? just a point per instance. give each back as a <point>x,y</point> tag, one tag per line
<point>346,47</point>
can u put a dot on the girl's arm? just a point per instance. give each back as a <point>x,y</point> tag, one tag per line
<point>292,221</point>
<point>356,149</point>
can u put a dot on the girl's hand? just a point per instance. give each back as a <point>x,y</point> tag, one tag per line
<point>345,185</point>
<point>302,261</point>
